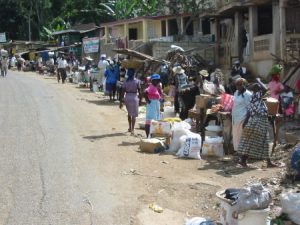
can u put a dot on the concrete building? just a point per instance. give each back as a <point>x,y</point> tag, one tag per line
<point>252,30</point>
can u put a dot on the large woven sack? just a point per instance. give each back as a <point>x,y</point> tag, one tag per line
<point>133,64</point>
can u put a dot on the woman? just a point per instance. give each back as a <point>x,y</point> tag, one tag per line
<point>254,140</point>
<point>241,102</point>
<point>132,90</point>
<point>111,75</point>
<point>152,96</point>
<point>275,86</point>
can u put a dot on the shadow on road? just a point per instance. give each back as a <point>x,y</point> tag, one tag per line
<point>102,102</point>
<point>95,137</point>
<point>225,169</point>
<point>126,143</point>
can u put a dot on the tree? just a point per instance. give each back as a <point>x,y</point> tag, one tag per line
<point>124,9</point>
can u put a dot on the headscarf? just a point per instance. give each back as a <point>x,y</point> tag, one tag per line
<point>130,74</point>
<point>275,72</point>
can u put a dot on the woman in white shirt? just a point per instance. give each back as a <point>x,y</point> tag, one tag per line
<point>241,101</point>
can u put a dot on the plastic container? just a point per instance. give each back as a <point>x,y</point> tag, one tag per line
<point>95,87</point>
<point>213,147</point>
<point>229,215</point>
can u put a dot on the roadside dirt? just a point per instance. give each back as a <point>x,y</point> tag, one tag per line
<point>183,188</point>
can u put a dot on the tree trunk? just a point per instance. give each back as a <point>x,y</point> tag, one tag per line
<point>29,22</point>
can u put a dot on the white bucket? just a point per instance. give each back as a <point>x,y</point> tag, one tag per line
<point>95,87</point>
<point>229,215</point>
<point>250,217</point>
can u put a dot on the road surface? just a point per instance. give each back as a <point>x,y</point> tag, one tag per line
<point>51,172</point>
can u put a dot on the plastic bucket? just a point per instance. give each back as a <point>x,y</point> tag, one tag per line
<point>257,217</point>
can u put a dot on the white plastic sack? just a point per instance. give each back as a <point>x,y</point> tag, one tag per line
<point>178,130</point>
<point>213,146</point>
<point>290,203</point>
<point>253,197</point>
<point>199,221</point>
<point>190,146</point>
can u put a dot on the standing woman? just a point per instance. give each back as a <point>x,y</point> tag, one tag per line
<point>152,96</point>
<point>255,137</point>
<point>132,91</point>
<point>241,102</point>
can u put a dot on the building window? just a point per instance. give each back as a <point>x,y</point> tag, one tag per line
<point>206,26</point>
<point>133,34</point>
<point>163,28</point>
<point>265,20</point>
<point>173,29</point>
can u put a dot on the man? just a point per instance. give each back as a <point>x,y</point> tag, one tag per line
<point>237,70</point>
<point>61,69</point>
<point>102,65</point>
<point>4,66</point>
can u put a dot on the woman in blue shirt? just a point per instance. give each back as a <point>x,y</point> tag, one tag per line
<point>112,76</point>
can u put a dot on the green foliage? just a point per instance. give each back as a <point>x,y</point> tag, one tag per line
<point>17,15</point>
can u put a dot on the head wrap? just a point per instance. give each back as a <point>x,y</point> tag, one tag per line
<point>276,69</point>
<point>130,74</point>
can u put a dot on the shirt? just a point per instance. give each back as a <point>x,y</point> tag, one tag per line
<point>153,92</point>
<point>275,87</point>
<point>62,63</point>
<point>111,76</point>
<point>240,106</point>
<point>286,96</point>
<point>182,80</point>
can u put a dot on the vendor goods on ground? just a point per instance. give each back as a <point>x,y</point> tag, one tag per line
<point>246,206</point>
<point>190,146</point>
<point>178,130</point>
<point>290,203</point>
<point>150,144</point>
<point>213,146</point>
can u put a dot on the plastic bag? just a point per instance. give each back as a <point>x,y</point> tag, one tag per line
<point>253,197</point>
<point>178,130</point>
<point>190,146</point>
<point>227,102</point>
<point>290,203</point>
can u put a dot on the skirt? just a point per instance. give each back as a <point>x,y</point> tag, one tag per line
<point>255,138</point>
<point>131,101</point>
<point>153,111</point>
<point>110,87</point>
<point>237,130</point>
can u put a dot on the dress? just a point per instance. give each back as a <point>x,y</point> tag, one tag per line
<point>239,113</point>
<point>153,108</point>
<point>131,99</point>
<point>255,137</point>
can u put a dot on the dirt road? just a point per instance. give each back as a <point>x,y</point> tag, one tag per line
<point>66,159</point>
